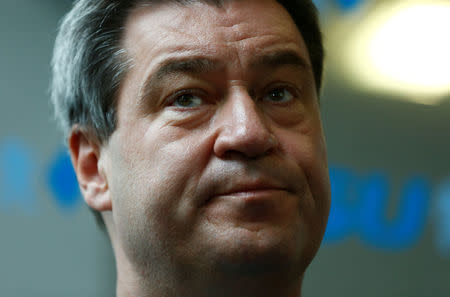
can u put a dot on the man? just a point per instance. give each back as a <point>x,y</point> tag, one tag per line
<point>194,131</point>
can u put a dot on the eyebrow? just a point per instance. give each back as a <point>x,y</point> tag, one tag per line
<point>280,58</point>
<point>187,65</point>
<point>192,66</point>
<point>200,65</point>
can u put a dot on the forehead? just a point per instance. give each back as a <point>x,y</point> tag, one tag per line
<point>197,28</point>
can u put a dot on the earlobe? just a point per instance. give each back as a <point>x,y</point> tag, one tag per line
<point>87,162</point>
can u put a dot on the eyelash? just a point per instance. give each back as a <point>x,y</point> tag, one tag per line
<point>295,92</point>
<point>172,98</point>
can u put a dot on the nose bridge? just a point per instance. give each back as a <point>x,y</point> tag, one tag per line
<point>242,127</point>
<point>243,114</point>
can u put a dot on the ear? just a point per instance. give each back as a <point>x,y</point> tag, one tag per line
<point>87,162</point>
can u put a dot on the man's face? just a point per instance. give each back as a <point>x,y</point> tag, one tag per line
<point>218,159</point>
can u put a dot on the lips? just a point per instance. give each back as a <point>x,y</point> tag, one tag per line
<point>249,188</point>
<point>254,188</point>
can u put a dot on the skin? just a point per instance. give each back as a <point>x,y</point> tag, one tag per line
<point>215,182</point>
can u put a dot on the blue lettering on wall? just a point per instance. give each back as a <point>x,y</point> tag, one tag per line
<point>344,5</point>
<point>359,207</point>
<point>344,205</point>
<point>62,181</point>
<point>348,5</point>
<point>17,173</point>
<point>406,227</point>
<point>442,219</point>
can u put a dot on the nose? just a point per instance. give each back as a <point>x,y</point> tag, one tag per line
<point>242,128</point>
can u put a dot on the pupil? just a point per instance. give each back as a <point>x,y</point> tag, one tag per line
<point>278,94</point>
<point>184,100</point>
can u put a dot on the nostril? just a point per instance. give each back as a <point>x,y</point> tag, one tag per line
<point>271,144</point>
<point>250,145</point>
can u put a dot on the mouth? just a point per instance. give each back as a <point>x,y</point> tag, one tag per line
<point>249,191</point>
<point>250,202</point>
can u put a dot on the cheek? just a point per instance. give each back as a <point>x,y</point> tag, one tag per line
<point>306,147</point>
<point>300,145</point>
<point>159,174</point>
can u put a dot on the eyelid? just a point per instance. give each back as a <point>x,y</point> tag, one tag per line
<point>294,90</point>
<point>173,96</point>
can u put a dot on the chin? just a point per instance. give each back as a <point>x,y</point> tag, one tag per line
<point>262,251</point>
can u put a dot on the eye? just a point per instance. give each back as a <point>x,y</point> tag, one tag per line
<point>187,100</point>
<point>280,95</point>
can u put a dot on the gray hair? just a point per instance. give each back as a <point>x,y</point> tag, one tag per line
<point>89,61</point>
<point>88,66</point>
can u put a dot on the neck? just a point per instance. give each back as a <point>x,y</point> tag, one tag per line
<point>133,284</point>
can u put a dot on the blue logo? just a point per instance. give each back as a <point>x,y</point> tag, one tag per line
<point>441,217</point>
<point>17,168</point>
<point>348,5</point>
<point>62,181</point>
<point>343,5</point>
<point>359,207</point>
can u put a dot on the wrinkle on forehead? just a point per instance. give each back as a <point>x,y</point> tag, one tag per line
<point>231,20</point>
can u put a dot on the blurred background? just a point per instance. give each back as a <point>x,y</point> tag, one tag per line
<point>386,112</point>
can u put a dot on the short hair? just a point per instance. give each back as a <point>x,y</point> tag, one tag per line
<point>89,61</point>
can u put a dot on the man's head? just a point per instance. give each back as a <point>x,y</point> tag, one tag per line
<point>194,128</point>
